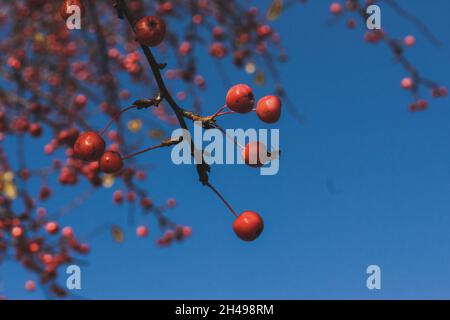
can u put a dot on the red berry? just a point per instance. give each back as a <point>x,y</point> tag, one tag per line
<point>84,248</point>
<point>150,31</point>
<point>118,197</point>
<point>21,124</point>
<point>240,98</point>
<point>33,247</point>
<point>51,227</point>
<point>255,154</point>
<point>373,36</point>
<point>68,176</point>
<point>30,285</point>
<point>67,232</point>
<point>65,7</point>
<point>351,23</point>
<point>263,31</point>
<point>406,83</point>
<point>186,231</point>
<point>142,231</point>
<point>269,109</point>
<point>146,203</point>
<point>89,146</point>
<point>422,104</point>
<point>35,129</point>
<point>409,41</point>
<point>44,193</point>
<point>80,101</point>
<point>111,162</point>
<point>16,232</point>
<point>439,92</point>
<point>335,8</point>
<point>217,50</point>
<point>248,226</point>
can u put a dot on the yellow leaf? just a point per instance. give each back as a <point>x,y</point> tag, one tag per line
<point>108,181</point>
<point>8,176</point>
<point>117,234</point>
<point>135,125</point>
<point>260,78</point>
<point>250,67</point>
<point>275,10</point>
<point>156,134</point>
<point>10,191</point>
<point>39,37</point>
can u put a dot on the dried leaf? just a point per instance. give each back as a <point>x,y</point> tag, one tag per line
<point>117,234</point>
<point>260,78</point>
<point>10,191</point>
<point>275,10</point>
<point>250,67</point>
<point>135,125</point>
<point>108,181</point>
<point>156,134</point>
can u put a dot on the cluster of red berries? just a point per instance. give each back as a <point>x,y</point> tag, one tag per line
<point>34,252</point>
<point>179,234</point>
<point>397,46</point>
<point>90,146</point>
<point>240,99</point>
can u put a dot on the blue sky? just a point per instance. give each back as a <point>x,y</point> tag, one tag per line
<point>389,173</point>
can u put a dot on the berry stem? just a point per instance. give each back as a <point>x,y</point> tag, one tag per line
<point>165,143</point>
<point>223,199</point>
<point>113,119</point>
<point>228,136</point>
<point>230,112</point>
<point>219,111</point>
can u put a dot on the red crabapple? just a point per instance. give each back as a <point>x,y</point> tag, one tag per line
<point>409,41</point>
<point>146,203</point>
<point>150,31</point>
<point>16,232</point>
<point>84,248</point>
<point>373,36</point>
<point>33,247</point>
<point>406,83</point>
<point>165,8</point>
<point>248,226</point>
<point>65,7</point>
<point>187,231</point>
<point>335,8</point>
<point>30,285</point>
<point>21,124</point>
<point>217,50</point>
<point>255,154</point>
<point>422,104</point>
<point>35,130</point>
<point>80,101</point>
<point>111,162</point>
<point>240,98</point>
<point>89,146</point>
<point>217,33</point>
<point>118,196</point>
<point>263,31</point>
<point>185,48</point>
<point>51,227</point>
<point>44,193</point>
<point>351,23</point>
<point>67,232</point>
<point>268,109</point>
<point>142,231</point>
<point>439,92</point>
